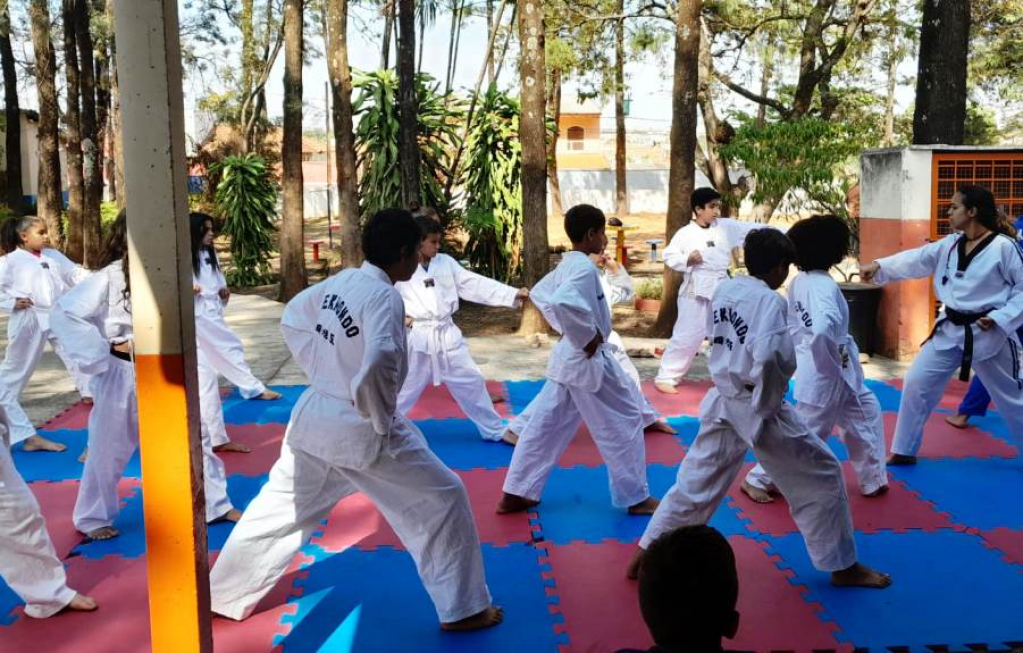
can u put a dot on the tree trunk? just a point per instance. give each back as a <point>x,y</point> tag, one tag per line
<point>889,100</point>
<point>91,227</point>
<point>116,143</point>
<point>715,131</point>
<point>766,73</point>
<point>490,55</point>
<point>12,113</point>
<point>940,112</point>
<point>344,135</point>
<point>385,48</point>
<point>621,165</point>
<point>408,127</point>
<point>421,41</point>
<point>532,136</point>
<point>50,200</point>
<point>74,245</point>
<point>681,176</point>
<point>554,102</point>
<point>452,37</point>
<point>293,276</point>
<point>102,103</point>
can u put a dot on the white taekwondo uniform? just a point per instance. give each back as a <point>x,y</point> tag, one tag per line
<point>28,561</point>
<point>438,352</point>
<point>988,281</point>
<point>752,358</point>
<point>829,385</point>
<point>96,315</point>
<point>572,300</point>
<point>346,436</point>
<point>715,244</point>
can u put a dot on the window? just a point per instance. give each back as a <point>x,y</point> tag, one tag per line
<point>576,136</point>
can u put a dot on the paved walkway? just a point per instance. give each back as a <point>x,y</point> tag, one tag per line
<point>256,321</point>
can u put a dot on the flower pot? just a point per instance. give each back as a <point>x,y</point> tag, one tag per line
<point>864,300</point>
<point>652,305</point>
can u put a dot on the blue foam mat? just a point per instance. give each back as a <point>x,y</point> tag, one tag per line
<point>576,506</point>
<point>8,602</point>
<point>257,411</point>
<point>984,493</point>
<point>373,602</point>
<point>520,393</point>
<point>688,427</point>
<point>887,395</point>
<point>242,490</point>
<point>941,591</point>
<point>458,444</point>
<point>62,466</point>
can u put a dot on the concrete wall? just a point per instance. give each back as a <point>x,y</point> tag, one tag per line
<point>648,189</point>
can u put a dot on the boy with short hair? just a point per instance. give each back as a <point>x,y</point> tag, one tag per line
<point>751,361</point>
<point>702,251</point>
<point>583,379</point>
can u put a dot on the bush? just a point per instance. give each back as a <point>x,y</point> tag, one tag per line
<point>652,288</point>
<point>247,203</point>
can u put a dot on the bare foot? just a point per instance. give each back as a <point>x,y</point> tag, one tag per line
<point>88,402</point>
<point>958,421</point>
<point>84,455</point>
<point>662,426</point>
<point>497,399</point>
<point>39,443</point>
<point>268,395</point>
<point>876,493</point>
<point>102,533</point>
<point>860,575</point>
<point>232,515</point>
<point>645,507</point>
<point>513,503</point>
<point>236,447</point>
<point>658,352</point>
<point>510,437</point>
<point>632,573</point>
<point>756,494</point>
<point>901,459</point>
<point>82,603</point>
<point>485,619</point>
<point>666,388</point>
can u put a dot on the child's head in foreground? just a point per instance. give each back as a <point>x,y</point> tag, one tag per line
<point>821,242</point>
<point>584,225</point>
<point>688,589</point>
<point>768,254</point>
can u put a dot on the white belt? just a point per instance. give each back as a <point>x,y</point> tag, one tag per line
<point>435,345</point>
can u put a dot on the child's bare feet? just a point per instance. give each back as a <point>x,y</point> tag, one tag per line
<point>236,447</point>
<point>662,426</point>
<point>82,603</point>
<point>39,443</point>
<point>632,572</point>
<point>513,503</point>
<point>88,402</point>
<point>232,515</point>
<point>485,619</point>
<point>497,399</point>
<point>756,494</point>
<point>901,459</point>
<point>860,575</point>
<point>102,533</point>
<point>268,395</point>
<point>666,388</point>
<point>84,455</point>
<point>958,421</point>
<point>876,493</point>
<point>510,437</point>
<point>645,507</point>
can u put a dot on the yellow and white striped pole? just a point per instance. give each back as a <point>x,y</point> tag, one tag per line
<point>149,73</point>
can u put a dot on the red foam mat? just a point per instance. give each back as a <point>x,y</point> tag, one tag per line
<point>661,448</point>
<point>686,402</point>
<point>265,442</point>
<point>436,402</point>
<point>75,417</point>
<point>57,501</point>
<point>942,440</point>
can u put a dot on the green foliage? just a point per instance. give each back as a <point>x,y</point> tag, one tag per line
<point>247,203</point>
<point>808,155</point>
<point>652,288</point>
<point>980,127</point>
<point>376,141</point>
<point>493,184</point>
<point>107,213</point>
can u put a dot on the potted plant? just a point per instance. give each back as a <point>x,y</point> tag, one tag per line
<point>648,294</point>
<point>864,300</point>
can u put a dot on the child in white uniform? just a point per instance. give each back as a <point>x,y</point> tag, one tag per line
<point>219,349</point>
<point>829,385</point>
<point>346,436</point>
<point>978,278</point>
<point>583,379</point>
<point>34,277</point>
<point>438,352</point>
<point>702,251</point>
<point>96,316</point>
<point>28,562</point>
<point>751,361</point>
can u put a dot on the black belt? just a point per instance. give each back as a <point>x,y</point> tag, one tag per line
<point>965,320</point>
<point>121,355</point>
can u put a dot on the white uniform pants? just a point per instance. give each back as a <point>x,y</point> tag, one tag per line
<point>113,439</point>
<point>803,467</point>
<point>423,501</point>
<point>211,407</point>
<point>21,427</point>
<point>926,381</point>
<point>686,338</point>
<point>613,418</point>
<point>861,427</point>
<point>464,380</point>
<point>226,353</point>
<point>28,562</point>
